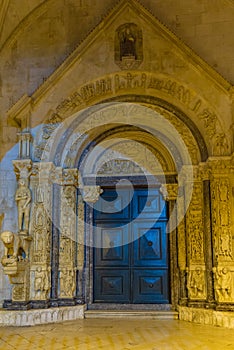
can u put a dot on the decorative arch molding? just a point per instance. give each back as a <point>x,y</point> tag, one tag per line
<point>172,96</point>
<point>186,129</point>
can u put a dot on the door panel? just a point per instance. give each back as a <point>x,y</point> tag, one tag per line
<point>132,265</point>
<point>113,206</point>
<point>149,244</point>
<point>148,204</point>
<point>150,286</point>
<point>112,286</point>
<point>114,241</point>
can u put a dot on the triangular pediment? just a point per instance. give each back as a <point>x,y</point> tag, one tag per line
<point>157,51</point>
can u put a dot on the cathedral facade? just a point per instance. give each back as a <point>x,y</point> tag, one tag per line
<point>116,172</point>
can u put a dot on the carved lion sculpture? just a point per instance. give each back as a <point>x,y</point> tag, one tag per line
<point>14,244</point>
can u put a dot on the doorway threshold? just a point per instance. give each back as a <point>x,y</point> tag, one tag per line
<point>129,307</point>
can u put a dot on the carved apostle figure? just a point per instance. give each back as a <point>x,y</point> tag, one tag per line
<point>23,200</point>
<point>41,283</point>
<point>223,283</point>
<point>196,283</point>
<point>67,283</point>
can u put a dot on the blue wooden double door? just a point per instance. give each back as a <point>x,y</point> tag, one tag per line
<point>131,247</point>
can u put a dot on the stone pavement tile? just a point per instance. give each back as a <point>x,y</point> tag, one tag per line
<point>117,335</point>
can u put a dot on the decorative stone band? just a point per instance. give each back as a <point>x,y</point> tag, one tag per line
<point>41,316</point>
<point>208,317</point>
<point>91,194</point>
<point>169,191</point>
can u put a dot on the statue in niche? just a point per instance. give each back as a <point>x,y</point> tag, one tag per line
<point>225,243</point>
<point>23,200</point>
<point>128,46</point>
<point>196,285</point>
<point>221,145</point>
<point>223,191</point>
<point>223,283</point>
<point>127,43</point>
<point>41,283</point>
<point>224,217</point>
<point>67,283</point>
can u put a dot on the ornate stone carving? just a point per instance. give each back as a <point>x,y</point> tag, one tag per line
<point>220,145</point>
<point>223,284</point>
<point>169,191</point>
<point>221,202</point>
<point>70,177</point>
<point>42,283</point>
<point>195,228</point>
<point>67,283</point>
<point>225,243</point>
<point>196,284</point>
<point>128,46</point>
<point>91,194</point>
<point>22,168</point>
<point>16,246</point>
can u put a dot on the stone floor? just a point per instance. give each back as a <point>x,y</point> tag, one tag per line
<point>124,334</point>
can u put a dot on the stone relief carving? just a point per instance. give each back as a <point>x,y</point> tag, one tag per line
<point>67,283</point>
<point>41,232</point>
<point>221,217</point>
<point>42,283</point>
<point>221,145</point>
<point>169,191</point>
<point>223,284</point>
<point>196,283</point>
<point>139,82</point>
<point>194,219</point>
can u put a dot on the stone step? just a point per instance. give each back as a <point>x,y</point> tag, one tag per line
<point>154,315</point>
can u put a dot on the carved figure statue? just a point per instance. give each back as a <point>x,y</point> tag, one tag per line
<point>196,283</point>
<point>67,283</point>
<point>223,283</point>
<point>23,200</point>
<point>41,283</point>
<point>14,244</point>
<point>128,43</point>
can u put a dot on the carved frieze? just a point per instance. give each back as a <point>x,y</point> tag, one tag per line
<point>138,82</point>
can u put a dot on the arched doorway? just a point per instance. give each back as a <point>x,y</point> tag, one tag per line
<point>141,269</point>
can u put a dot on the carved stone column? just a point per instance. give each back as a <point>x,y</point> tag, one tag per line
<point>41,183</point>
<point>222,204</point>
<point>196,269</point>
<point>170,194</point>
<point>89,194</point>
<point>68,238</point>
